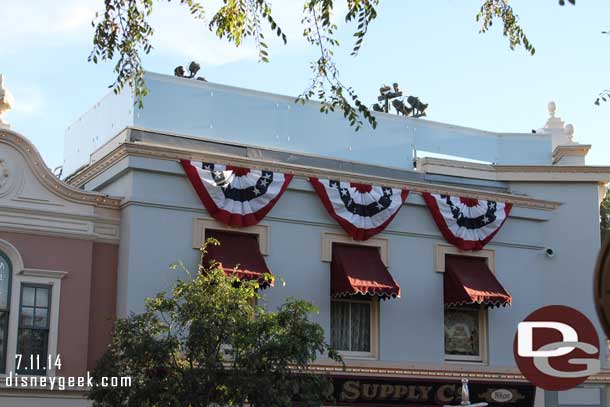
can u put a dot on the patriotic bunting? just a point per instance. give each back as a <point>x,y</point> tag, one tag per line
<point>362,210</point>
<point>233,195</point>
<point>242,197</point>
<point>467,223</point>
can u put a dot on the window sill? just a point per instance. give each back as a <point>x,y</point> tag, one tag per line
<point>357,356</point>
<point>465,362</point>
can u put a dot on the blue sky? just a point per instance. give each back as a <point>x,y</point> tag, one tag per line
<point>433,49</point>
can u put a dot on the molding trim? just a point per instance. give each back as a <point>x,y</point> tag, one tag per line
<point>59,224</point>
<point>201,224</point>
<point>529,173</point>
<point>601,194</point>
<point>442,249</point>
<point>570,150</point>
<point>13,254</point>
<point>66,191</point>
<point>58,275</point>
<point>445,371</point>
<point>328,238</point>
<point>329,225</point>
<point>171,153</point>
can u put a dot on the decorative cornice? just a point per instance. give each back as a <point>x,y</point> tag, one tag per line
<point>173,153</point>
<point>98,228</point>
<point>445,372</point>
<point>66,191</point>
<point>570,150</point>
<point>532,173</point>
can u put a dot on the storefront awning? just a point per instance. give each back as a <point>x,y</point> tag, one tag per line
<point>359,270</point>
<point>239,255</point>
<point>468,280</point>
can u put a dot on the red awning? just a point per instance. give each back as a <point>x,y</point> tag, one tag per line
<point>359,270</point>
<point>238,254</point>
<point>468,280</point>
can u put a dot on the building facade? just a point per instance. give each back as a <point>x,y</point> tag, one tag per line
<point>414,284</point>
<point>58,267</point>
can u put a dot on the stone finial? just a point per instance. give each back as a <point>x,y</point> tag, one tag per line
<point>552,106</point>
<point>6,103</point>
<point>553,121</point>
<point>569,131</point>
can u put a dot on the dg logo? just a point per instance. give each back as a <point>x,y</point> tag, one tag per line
<point>557,348</point>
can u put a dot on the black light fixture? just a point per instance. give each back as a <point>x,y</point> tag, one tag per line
<point>179,71</point>
<point>418,106</point>
<point>401,107</point>
<point>387,93</point>
<point>384,89</point>
<point>393,93</point>
<point>193,68</point>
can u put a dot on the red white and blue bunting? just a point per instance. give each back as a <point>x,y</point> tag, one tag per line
<point>362,210</point>
<point>467,223</point>
<point>233,195</point>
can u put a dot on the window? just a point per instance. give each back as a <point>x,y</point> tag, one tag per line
<point>33,334</point>
<point>5,301</point>
<point>465,333</point>
<point>353,326</point>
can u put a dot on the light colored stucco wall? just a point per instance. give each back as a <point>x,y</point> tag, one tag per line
<point>157,224</point>
<point>573,233</point>
<point>209,111</point>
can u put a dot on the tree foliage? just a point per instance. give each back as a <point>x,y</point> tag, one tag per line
<point>207,343</point>
<point>500,9</point>
<point>604,213</point>
<point>122,33</point>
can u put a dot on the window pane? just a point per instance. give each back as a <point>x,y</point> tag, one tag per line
<point>27,296</point>
<point>361,327</point>
<point>24,342</point>
<point>462,331</point>
<point>42,297</point>
<point>40,318</point>
<point>39,343</point>
<point>4,283</point>
<point>33,327</point>
<point>32,346</point>
<point>27,317</point>
<point>339,325</point>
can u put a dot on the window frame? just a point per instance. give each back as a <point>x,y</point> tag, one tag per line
<point>51,278</point>
<point>328,239</point>
<point>45,354</point>
<point>374,328</point>
<point>4,358</point>
<point>201,225</point>
<point>483,337</point>
<point>441,251</point>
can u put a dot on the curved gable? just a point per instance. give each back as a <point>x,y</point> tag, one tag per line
<point>33,199</point>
